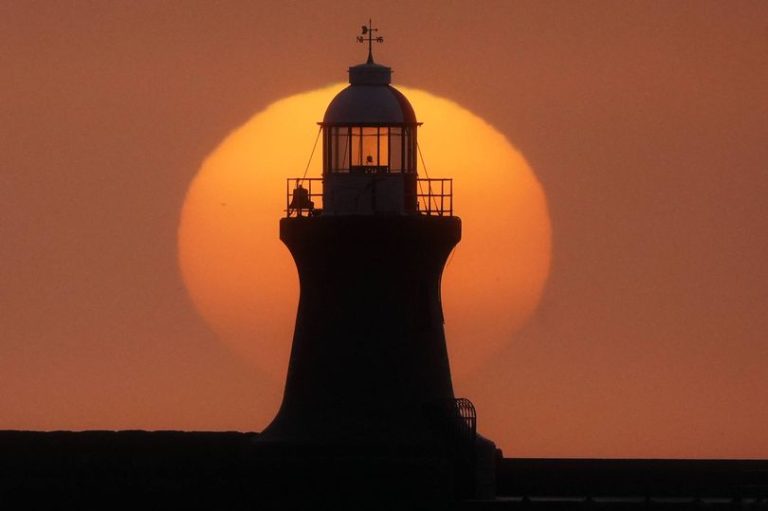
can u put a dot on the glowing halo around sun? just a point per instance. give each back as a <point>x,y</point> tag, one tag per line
<point>243,281</point>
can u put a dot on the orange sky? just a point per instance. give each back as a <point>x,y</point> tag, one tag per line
<point>644,121</point>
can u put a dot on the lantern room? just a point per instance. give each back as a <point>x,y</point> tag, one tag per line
<point>369,127</point>
<point>369,147</point>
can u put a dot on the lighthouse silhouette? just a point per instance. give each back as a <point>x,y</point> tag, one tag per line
<point>369,384</point>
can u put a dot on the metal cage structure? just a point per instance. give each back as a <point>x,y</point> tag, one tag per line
<point>465,410</point>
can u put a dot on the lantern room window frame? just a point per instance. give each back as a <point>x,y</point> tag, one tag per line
<point>391,148</point>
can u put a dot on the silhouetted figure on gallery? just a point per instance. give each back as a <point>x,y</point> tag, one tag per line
<point>369,407</point>
<point>300,201</point>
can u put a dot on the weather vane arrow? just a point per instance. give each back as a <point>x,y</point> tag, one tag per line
<point>367,35</point>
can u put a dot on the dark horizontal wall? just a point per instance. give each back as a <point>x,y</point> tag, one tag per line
<point>224,471</point>
<point>628,477</point>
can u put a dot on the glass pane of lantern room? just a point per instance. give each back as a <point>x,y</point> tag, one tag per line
<point>407,156</point>
<point>340,142</point>
<point>370,146</point>
<point>357,147</point>
<point>383,147</point>
<point>412,150</point>
<point>395,150</point>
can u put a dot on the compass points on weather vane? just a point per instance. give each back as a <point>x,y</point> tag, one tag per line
<point>367,32</point>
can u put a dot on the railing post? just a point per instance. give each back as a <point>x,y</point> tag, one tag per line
<point>442,197</point>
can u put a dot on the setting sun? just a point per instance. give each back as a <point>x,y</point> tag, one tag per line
<point>243,281</point>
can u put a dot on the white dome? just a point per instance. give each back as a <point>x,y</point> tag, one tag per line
<point>369,100</point>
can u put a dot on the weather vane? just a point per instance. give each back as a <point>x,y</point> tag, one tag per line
<point>367,35</point>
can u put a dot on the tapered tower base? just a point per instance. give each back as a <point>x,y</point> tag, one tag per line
<point>369,358</point>
<point>369,386</point>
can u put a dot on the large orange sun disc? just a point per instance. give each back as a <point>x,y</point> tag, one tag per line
<point>243,281</point>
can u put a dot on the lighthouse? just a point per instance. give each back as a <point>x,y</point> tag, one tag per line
<point>369,379</point>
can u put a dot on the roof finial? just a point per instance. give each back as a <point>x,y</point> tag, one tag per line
<point>368,36</point>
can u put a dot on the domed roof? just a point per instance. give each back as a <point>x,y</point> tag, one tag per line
<point>369,99</point>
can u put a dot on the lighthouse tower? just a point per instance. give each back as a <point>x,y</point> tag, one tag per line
<point>369,375</point>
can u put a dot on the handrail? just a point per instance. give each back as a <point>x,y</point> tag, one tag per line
<point>304,196</point>
<point>438,197</point>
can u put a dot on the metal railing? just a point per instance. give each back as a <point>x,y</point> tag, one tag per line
<point>434,196</point>
<point>303,196</point>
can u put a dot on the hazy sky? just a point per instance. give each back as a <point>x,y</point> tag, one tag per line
<point>646,123</point>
